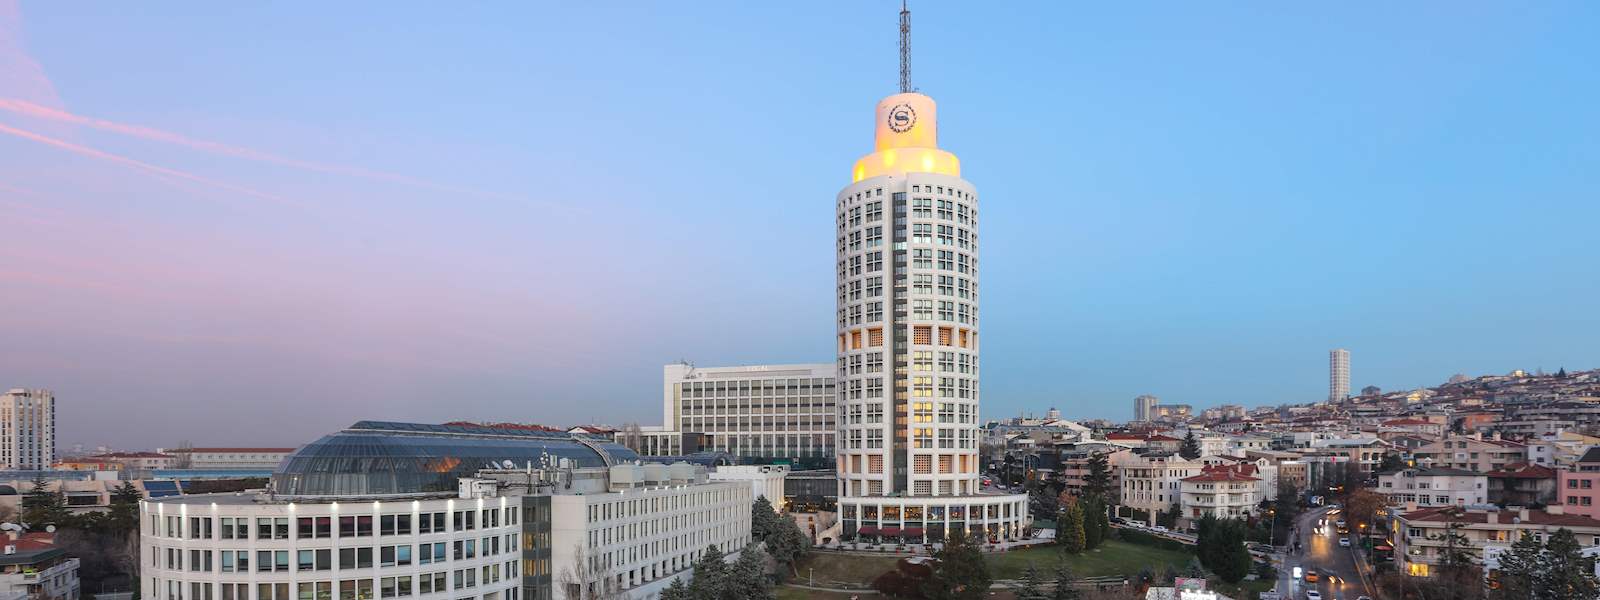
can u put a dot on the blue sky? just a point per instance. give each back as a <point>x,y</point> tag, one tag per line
<point>521,211</point>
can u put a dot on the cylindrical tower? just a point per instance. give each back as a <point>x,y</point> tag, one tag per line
<point>908,314</point>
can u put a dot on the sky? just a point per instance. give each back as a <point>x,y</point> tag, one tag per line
<point>234,224</point>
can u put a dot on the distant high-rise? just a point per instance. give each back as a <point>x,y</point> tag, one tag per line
<point>1144,407</point>
<point>1338,374</point>
<point>27,429</point>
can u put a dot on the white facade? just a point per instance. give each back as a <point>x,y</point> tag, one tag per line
<point>1338,374</point>
<point>907,337</point>
<point>227,458</point>
<point>230,547</point>
<point>766,481</point>
<point>27,429</point>
<point>1153,483</point>
<point>38,574</point>
<point>636,542</point>
<point>765,411</point>
<point>1434,487</point>
<point>1223,494</point>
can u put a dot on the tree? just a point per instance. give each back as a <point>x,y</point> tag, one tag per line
<point>747,580</point>
<point>1169,518</point>
<point>124,514</point>
<point>1191,446</point>
<point>1232,562</point>
<point>1206,536</point>
<point>763,519</point>
<point>1285,509</point>
<point>1095,525</point>
<point>1064,588</point>
<point>961,573</point>
<point>1028,587</point>
<point>677,590</point>
<point>1098,482</point>
<point>42,507</point>
<point>1391,462</point>
<point>1069,529</point>
<point>788,545</point>
<point>1566,574</point>
<point>1195,569</point>
<point>1454,556</point>
<point>584,578</point>
<point>1520,569</point>
<point>710,574</point>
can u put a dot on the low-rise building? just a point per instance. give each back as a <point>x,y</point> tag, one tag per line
<point>1420,536</point>
<point>1578,488</point>
<point>251,458</point>
<point>1153,482</point>
<point>1470,452</point>
<point>1223,491</point>
<point>1434,487</point>
<point>33,568</point>
<point>1522,484</point>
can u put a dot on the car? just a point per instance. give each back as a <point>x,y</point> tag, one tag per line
<point>1344,542</point>
<point>1160,528</point>
<point>1119,520</point>
<point>1344,530</point>
<point>1311,575</point>
<point>1339,522</point>
<point>1363,597</point>
<point>1313,595</point>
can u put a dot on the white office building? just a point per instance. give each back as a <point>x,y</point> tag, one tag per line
<point>759,412</point>
<point>1338,374</point>
<point>27,429</point>
<point>907,339</point>
<point>397,510</point>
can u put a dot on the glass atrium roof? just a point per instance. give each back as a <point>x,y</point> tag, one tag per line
<point>376,458</point>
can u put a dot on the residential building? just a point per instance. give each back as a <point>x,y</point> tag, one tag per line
<point>1224,492</point>
<point>1338,374</point>
<point>1522,484</point>
<point>1470,452</point>
<point>1434,487</point>
<point>27,430</point>
<point>33,568</point>
<point>1144,407</point>
<point>1419,536</point>
<point>759,413</point>
<point>394,510</point>
<point>1560,449</point>
<point>1153,482</point>
<point>1422,427</point>
<point>116,461</point>
<point>908,340</point>
<point>1578,488</point>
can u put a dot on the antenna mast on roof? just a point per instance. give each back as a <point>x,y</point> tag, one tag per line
<point>905,48</point>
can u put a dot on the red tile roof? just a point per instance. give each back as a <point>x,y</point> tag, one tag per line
<point>1399,422</point>
<point>1220,475</point>
<point>1524,471</point>
<point>1535,517</point>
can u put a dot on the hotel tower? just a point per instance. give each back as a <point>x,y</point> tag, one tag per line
<point>908,342</point>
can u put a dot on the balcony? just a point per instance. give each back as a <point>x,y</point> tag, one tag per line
<point>50,572</point>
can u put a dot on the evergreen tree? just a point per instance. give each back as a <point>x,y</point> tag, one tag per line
<point>677,590</point>
<point>960,574</point>
<point>1232,560</point>
<point>1205,545</point>
<point>1028,587</point>
<point>124,514</point>
<point>1064,588</point>
<point>1169,574</point>
<point>1520,568</point>
<point>42,507</point>
<point>1195,569</point>
<point>1453,557</point>
<point>1094,513</point>
<point>710,574</point>
<point>1191,446</point>
<point>747,580</point>
<point>1097,483</point>
<point>763,519</point>
<point>1565,574</point>
<point>788,545</point>
<point>1069,529</point>
<point>1391,462</point>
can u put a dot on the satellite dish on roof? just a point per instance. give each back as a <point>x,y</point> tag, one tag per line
<point>50,528</point>
<point>508,464</point>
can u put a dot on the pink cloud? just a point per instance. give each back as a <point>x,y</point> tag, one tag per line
<point>36,111</point>
<point>158,170</point>
<point>20,75</point>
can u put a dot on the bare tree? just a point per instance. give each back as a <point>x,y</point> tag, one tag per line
<point>586,577</point>
<point>632,437</point>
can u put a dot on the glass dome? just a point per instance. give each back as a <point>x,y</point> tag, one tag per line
<point>374,458</point>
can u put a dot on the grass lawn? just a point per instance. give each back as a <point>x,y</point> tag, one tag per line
<point>1246,590</point>
<point>1114,557</point>
<point>831,569</point>
<point>793,593</point>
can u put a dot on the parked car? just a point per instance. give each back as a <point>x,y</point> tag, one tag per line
<point>1160,529</point>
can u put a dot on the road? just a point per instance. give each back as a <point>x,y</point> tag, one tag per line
<point>1319,550</point>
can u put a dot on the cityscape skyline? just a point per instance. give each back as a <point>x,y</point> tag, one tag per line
<point>246,282</point>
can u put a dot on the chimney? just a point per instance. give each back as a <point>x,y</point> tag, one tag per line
<point>1522,513</point>
<point>1555,509</point>
<point>1493,517</point>
<point>1411,506</point>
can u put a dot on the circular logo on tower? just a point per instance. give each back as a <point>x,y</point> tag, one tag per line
<point>902,118</point>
